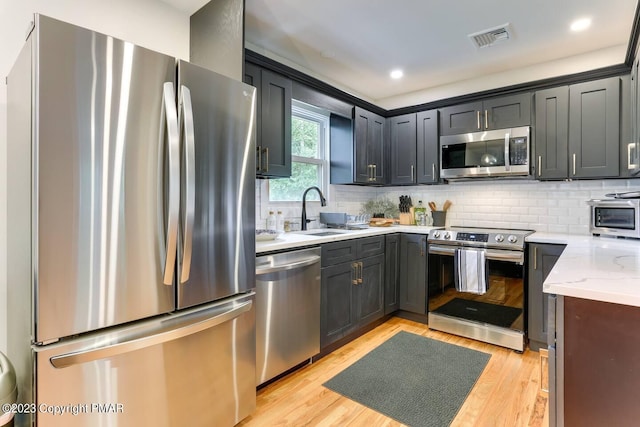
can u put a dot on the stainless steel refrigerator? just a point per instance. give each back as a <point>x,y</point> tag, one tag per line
<point>131,235</point>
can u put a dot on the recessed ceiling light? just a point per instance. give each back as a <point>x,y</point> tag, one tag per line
<point>580,24</point>
<point>396,74</point>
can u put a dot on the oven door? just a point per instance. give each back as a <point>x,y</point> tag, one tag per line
<point>491,153</point>
<point>494,315</point>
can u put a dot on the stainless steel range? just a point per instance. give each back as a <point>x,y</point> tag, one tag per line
<point>476,284</point>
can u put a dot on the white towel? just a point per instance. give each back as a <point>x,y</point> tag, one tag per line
<point>470,271</point>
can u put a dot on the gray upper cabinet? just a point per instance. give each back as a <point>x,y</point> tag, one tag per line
<point>494,113</point>
<point>552,133</point>
<point>427,147</point>
<point>413,139</point>
<point>594,129</point>
<point>369,147</point>
<point>273,124</point>
<point>402,141</point>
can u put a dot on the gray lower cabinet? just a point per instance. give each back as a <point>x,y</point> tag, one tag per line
<point>392,274</point>
<point>413,273</point>
<point>352,287</point>
<point>542,258</point>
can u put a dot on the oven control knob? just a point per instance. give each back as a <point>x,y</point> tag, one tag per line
<point>436,234</point>
<point>512,239</point>
<point>499,238</point>
<point>447,235</point>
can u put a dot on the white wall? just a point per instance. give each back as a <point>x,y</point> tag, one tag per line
<point>149,23</point>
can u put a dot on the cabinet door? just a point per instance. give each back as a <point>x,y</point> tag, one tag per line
<point>507,111</point>
<point>427,147</point>
<point>369,246</point>
<point>369,131</point>
<point>461,118</point>
<point>370,293</point>
<point>252,77</point>
<point>338,252</point>
<point>594,129</point>
<point>627,148</point>
<point>402,141</point>
<point>275,135</point>
<point>552,133</point>
<point>391,281</point>
<point>413,273</point>
<point>542,258</point>
<point>337,304</point>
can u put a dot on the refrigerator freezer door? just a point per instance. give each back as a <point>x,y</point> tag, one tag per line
<point>99,158</point>
<point>217,250</point>
<point>196,368</point>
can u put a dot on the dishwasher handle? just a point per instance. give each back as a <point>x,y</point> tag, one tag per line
<point>284,267</point>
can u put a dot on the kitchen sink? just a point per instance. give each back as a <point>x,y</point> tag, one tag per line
<point>322,233</point>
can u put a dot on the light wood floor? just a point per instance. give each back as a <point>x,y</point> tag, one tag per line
<point>506,394</point>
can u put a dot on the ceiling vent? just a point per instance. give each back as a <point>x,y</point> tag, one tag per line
<point>486,38</point>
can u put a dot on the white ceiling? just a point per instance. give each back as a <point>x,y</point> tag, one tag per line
<point>356,43</point>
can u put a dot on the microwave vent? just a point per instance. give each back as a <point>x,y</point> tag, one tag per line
<point>486,38</point>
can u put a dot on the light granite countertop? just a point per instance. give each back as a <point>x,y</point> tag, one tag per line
<point>299,239</point>
<point>597,268</point>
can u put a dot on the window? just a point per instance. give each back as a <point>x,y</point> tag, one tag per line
<point>309,154</point>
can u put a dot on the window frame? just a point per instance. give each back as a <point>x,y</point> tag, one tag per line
<point>309,112</point>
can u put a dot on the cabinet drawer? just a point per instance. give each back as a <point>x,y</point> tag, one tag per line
<point>369,246</point>
<point>338,252</point>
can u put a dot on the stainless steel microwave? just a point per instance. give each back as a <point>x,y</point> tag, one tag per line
<point>494,153</point>
<point>615,217</point>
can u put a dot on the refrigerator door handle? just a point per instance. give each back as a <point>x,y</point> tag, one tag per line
<point>190,184</point>
<point>85,356</point>
<point>170,114</point>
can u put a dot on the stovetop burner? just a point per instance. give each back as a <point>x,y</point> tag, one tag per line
<point>480,237</point>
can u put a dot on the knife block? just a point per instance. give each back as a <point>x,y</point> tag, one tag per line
<point>408,218</point>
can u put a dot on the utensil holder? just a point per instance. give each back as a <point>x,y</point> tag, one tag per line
<point>439,218</point>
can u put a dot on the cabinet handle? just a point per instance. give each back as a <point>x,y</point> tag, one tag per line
<point>486,119</point>
<point>354,273</point>
<point>361,269</point>
<point>266,166</point>
<point>539,165</point>
<point>535,257</point>
<point>478,117</point>
<point>574,163</point>
<point>370,172</point>
<point>375,172</point>
<point>422,246</point>
<point>412,173</point>
<point>433,171</point>
<point>259,162</point>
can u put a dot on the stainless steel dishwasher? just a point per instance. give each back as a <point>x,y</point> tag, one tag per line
<point>287,311</point>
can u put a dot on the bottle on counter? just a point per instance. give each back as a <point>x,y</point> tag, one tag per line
<point>420,212</point>
<point>280,222</point>
<point>271,221</point>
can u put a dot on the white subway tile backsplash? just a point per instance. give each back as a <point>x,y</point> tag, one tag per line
<point>556,207</point>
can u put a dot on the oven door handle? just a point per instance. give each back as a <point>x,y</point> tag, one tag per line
<point>492,254</point>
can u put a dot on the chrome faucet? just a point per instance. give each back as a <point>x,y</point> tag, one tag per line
<point>323,202</point>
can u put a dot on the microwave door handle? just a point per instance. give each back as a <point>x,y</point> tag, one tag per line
<point>610,204</point>
<point>507,162</point>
